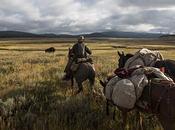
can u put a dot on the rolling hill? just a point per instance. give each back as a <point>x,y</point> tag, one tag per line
<point>109,34</point>
<point>168,36</point>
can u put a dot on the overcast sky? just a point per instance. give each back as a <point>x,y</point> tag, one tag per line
<point>85,16</point>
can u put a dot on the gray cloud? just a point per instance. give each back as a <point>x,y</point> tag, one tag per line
<point>84,16</point>
<point>147,3</point>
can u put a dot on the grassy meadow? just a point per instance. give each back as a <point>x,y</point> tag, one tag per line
<point>33,96</point>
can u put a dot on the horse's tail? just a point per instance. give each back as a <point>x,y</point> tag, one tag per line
<point>92,76</point>
<point>92,80</point>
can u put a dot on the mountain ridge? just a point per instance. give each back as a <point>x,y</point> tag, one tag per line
<point>107,34</point>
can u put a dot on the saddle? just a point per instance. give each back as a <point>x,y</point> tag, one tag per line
<point>76,63</point>
<point>84,60</point>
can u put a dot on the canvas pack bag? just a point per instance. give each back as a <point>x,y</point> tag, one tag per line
<point>151,70</point>
<point>110,86</point>
<point>139,81</point>
<point>144,57</point>
<point>124,92</point>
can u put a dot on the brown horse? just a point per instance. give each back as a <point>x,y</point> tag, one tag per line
<point>84,72</point>
<point>168,64</point>
<point>160,100</point>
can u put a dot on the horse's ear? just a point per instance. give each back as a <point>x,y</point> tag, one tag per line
<point>102,83</point>
<point>123,53</point>
<point>119,53</point>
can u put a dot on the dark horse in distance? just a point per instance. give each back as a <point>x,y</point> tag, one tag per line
<point>85,71</point>
<point>50,50</point>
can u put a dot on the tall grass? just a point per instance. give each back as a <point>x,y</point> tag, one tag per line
<point>33,96</point>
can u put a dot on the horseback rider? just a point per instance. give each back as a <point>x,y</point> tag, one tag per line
<point>79,55</point>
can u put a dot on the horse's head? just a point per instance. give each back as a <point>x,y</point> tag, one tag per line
<point>123,58</point>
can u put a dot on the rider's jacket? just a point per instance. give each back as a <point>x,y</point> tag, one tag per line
<point>80,50</point>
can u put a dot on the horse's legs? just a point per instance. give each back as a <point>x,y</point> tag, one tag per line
<point>114,113</point>
<point>80,87</point>
<point>107,107</point>
<point>139,123</point>
<point>72,81</point>
<point>124,117</point>
<point>91,84</point>
<point>92,80</point>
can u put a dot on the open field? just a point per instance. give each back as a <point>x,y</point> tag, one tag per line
<point>35,98</point>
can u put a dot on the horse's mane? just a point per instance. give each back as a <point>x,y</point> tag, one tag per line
<point>129,55</point>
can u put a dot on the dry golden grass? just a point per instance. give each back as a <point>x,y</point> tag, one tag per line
<point>31,86</point>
